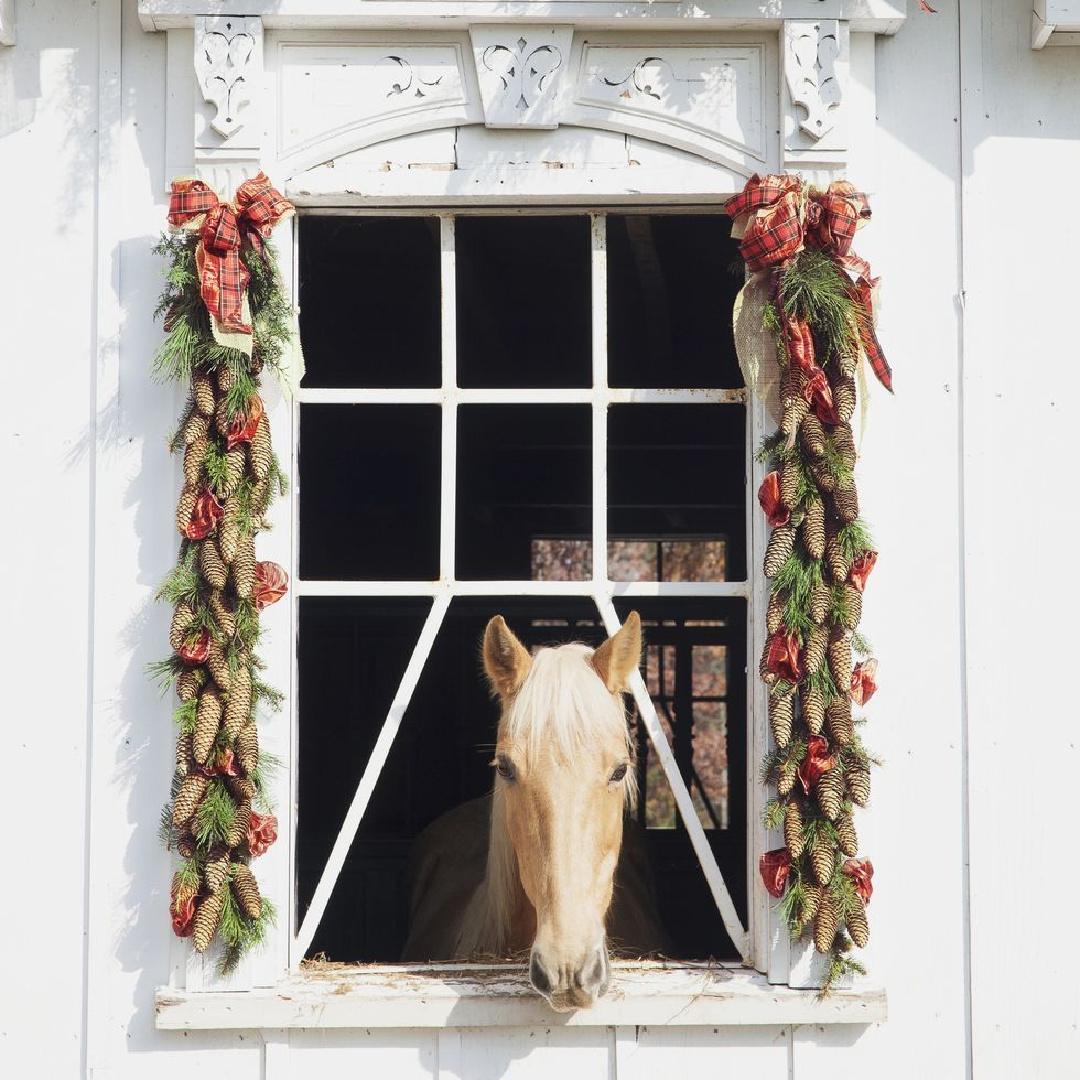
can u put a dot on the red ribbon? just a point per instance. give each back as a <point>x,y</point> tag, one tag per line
<point>223,278</point>
<point>271,584</point>
<point>860,569</point>
<point>861,872</point>
<point>785,221</point>
<point>863,681</point>
<point>783,658</point>
<point>768,496</point>
<point>774,867</point>
<point>818,760</point>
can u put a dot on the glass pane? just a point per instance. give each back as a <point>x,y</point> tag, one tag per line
<point>561,560</point>
<point>369,301</point>
<point>677,473</point>
<point>524,302</point>
<point>524,475</point>
<point>369,492</point>
<point>672,281</point>
<point>633,560</point>
<point>710,758</point>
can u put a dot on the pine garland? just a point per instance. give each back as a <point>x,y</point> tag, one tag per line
<point>817,557</point>
<point>230,477</point>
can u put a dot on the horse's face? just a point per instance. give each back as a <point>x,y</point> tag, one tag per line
<point>564,776</point>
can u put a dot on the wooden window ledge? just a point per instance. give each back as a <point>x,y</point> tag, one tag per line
<point>383,996</point>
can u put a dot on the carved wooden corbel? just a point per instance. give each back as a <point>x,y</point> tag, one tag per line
<point>228,65</point>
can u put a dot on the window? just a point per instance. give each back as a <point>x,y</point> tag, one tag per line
<point>481,416</point>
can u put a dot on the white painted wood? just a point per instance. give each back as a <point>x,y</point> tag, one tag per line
<point>8,34</point>
<point>537,1053</point>
<point>703,1053</point>
<point>706,98</point>
<point>599,457</point>
<point>1054,22</point>
<point>370,776</point>
<point>228,66</point>
<point>449,459</point>
<point>513,396</point>
<point>180,90</point>
<point>519,588</point>
<point>715,879</point>
<point>389,997</point>
<point>521,70</point>
<point>336,1055</point>
<point>879,16</point>
<point>565,148</point>
<point>815,58</point>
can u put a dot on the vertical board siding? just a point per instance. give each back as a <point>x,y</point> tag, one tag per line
<point>704,1053</point>
<point>349,1055</point>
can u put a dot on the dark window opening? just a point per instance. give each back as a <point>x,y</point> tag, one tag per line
<point>369,301</point>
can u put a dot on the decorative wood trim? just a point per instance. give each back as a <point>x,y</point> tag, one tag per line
<point>815,62</point>
<point>520,70</point>
<point>228,64</point>
<point>476,996</point>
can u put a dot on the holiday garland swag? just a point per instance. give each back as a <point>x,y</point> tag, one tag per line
<point>226,319</point>
<point>809,304</point>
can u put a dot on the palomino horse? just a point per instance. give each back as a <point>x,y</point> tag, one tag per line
<point>534,867</point>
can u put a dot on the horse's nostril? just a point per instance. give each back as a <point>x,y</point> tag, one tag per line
<point>538,976</point>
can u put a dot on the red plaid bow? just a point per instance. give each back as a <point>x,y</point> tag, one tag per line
<point>223,278</point>
<point>786,219</point>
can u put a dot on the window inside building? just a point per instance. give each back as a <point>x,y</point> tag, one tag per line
<point>531,416</point>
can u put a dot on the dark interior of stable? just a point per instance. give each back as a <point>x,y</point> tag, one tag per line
<point>369,296</point>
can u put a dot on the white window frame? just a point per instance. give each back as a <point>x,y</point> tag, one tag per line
<point>280,993</point>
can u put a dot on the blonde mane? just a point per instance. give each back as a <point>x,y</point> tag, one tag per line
<point>561,709</point>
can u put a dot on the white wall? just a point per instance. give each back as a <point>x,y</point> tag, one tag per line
<point>960,589</point>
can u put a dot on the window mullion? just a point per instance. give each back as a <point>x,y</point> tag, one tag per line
<point>598,263</point>
<point>448,487</point>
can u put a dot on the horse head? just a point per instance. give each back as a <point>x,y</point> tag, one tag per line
<point>564,777</point>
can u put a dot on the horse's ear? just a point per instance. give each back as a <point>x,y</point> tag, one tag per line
<point>618,658</point>
<point>506,660</point>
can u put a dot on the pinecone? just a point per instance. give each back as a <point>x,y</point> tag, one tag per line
<point>785,781</point>
<point>840,658</point>
<point>779,549</point>
<point>839,567</point>
<point>826,923</point>
<point>774,613</point>
<point>781,713</point>
<point>184,507</point>
<point>845,831</point>
<point>830,793</point>
<point>841,727</point>
<point>202,393</point>
<point>793,828</point>
<point>766,675</point>
<point>242,568</point>
<point>851,609</point>
<point>229,530</point>
<point>238,707</point>
<point>813,435</point>
<point>185,844</point>
<point>235,467</point>
<point>813,894</point>
<point>184,759</point>
<point>187,684</point>
<point>226,379</point>
<point>210,563</point>
<point>843,395</point>
<point>207,722</point>
<point>813,529</point>
<point>813,708</point>
<point>241,788</point>
<point>262,455</point>
<point>187,800</point>
<point>846,502</point>
<point>218,664</point>
<point>789,483</point>
<point>844,445</point>
<point>848,360</point>
<point>858,926</point>
<point>247,890</point>
<point>822,858</point>
<point>793,385</point>
<point>221,609</point>
<point>222,416</point>
<point>216,871</point>
<point>194,456</point>
<point>207,917</point>
<point>858,784</point>
<point>820,602</point>
<point>195,427</point>
<point>824,479</point>
<point>260,498</point>
<point>795,410</point>
<point>814,648</point>
<point>247,748</point>
<point>182,618</point>
<point>238,832</point>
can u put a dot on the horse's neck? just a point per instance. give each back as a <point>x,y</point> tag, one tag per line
<point>499,919</point>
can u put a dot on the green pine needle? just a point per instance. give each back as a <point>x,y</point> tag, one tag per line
<point>215,815</point>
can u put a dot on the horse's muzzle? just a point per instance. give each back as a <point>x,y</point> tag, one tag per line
<point>572,986</point>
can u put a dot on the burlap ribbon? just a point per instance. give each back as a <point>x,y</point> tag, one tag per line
<point>222,227</point>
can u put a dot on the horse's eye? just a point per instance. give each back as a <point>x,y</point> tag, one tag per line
<point>505,768</point>
<point>619,773</point>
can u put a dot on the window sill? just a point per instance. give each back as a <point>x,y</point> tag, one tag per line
<point>381,996</point>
